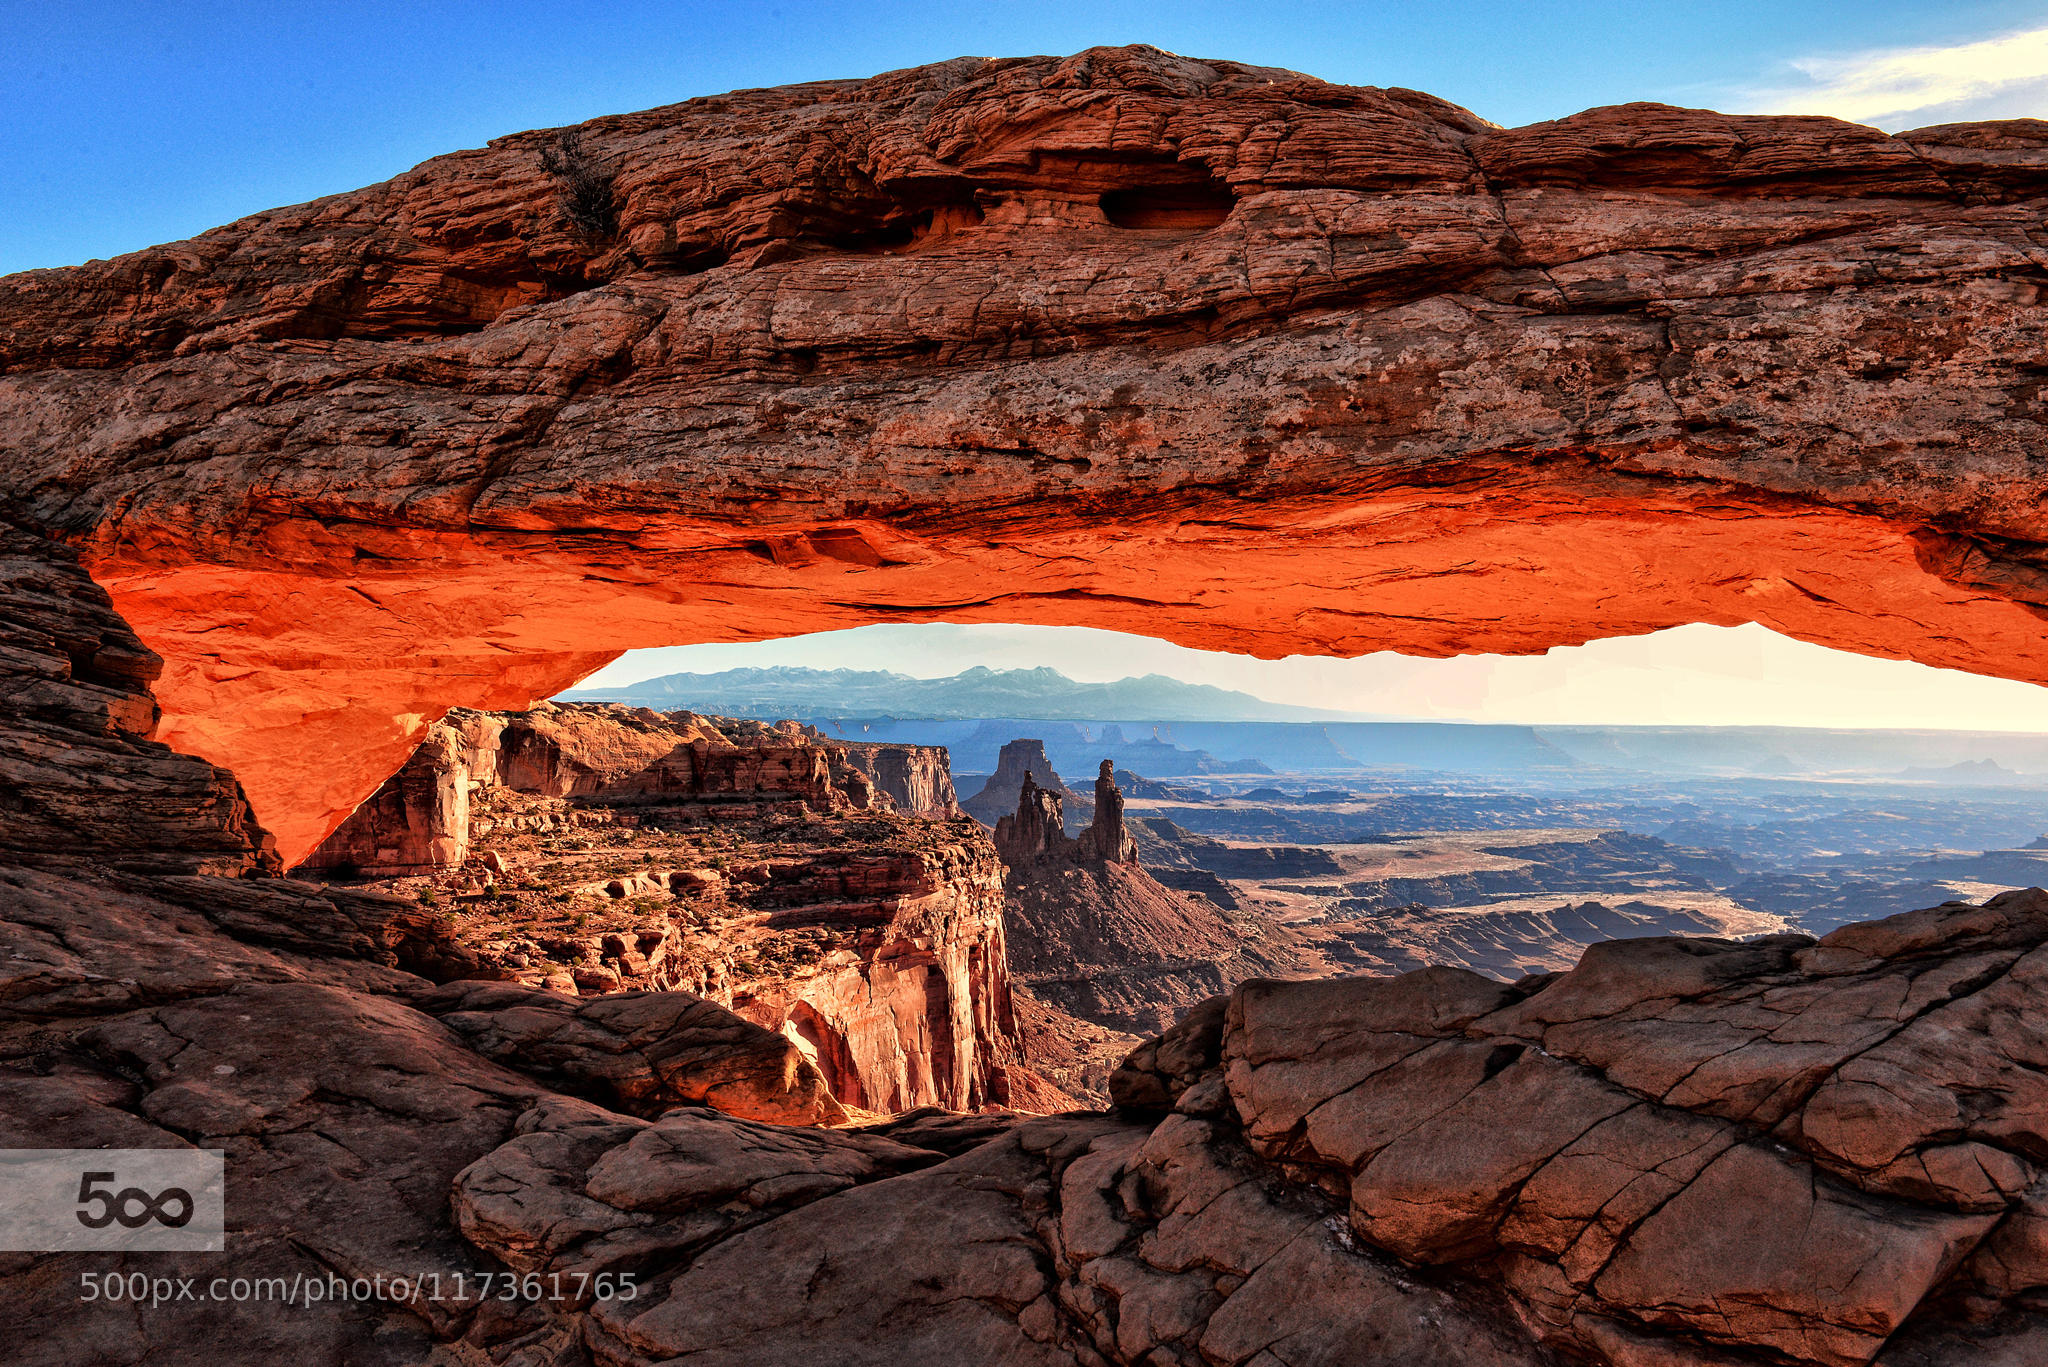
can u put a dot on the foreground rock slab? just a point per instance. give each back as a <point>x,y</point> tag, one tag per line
<point>1757,1147</point>
<point>1638,1163</point>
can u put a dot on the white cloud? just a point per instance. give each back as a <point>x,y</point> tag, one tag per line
<point>1895,88</point>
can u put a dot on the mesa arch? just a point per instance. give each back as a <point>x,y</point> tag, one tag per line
<point>1216,353</point>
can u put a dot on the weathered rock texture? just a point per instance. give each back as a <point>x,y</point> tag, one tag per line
<point>1106,841</point>
<point>1125,340</point>
<point>595,848</point>
<point>1036,830</point>
<point>1211,352</point>
<point>917,778</point>
<point>1683,1153</point>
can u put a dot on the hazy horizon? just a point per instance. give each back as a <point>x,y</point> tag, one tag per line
<point>1686,676</point>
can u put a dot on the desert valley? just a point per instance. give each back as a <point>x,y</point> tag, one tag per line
<point>923,948</point>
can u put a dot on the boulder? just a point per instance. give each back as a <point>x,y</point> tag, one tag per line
<point>640,1053</point>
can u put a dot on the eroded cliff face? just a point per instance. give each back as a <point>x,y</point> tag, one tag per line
<point>917,778</point>
<point>1216,353</point>
<point>420,820</point>
<point>591,848</point>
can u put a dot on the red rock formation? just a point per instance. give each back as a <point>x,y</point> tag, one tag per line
<point>158,990</point>
<point>1020,760</point>
<point>642,1053</point>
<point>1124,340</point>
<point>917,778</point>
<point>416,822</point>
<point>1641,1163</point>
<point>750,864</point>
<point>1687,1153</point>
<point>1035,830</point>
<point>1105,841</point>
<point>1095,936</point>
<point>419,820</point>
<point>1215,353</point>
<point>1078,1056</point>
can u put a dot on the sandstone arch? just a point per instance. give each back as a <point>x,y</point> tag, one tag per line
<point>877,350</point>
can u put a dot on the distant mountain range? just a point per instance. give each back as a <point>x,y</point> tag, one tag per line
<point>1030,694</point>
<point>1170,729</point>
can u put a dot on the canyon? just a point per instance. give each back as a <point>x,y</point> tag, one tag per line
<point>587,849</point>
<point>1222,354</point>
<point>829,891</point>
<point>1095,935</point>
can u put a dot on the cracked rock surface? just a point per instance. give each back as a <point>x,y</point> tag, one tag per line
<point>1647,1160</point>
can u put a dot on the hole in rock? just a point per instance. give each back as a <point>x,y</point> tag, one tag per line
<point>908,228</point>
<point>1163,207</point>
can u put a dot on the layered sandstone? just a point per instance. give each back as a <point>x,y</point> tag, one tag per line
<point>917,778</point>
<point>1819,1152</point>
<point>643,1053</point>
<point>420,819</point>
<point>589,848</point>
<point>1212,352</point>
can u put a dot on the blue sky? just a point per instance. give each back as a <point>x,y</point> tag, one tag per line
<point>131,124</point>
